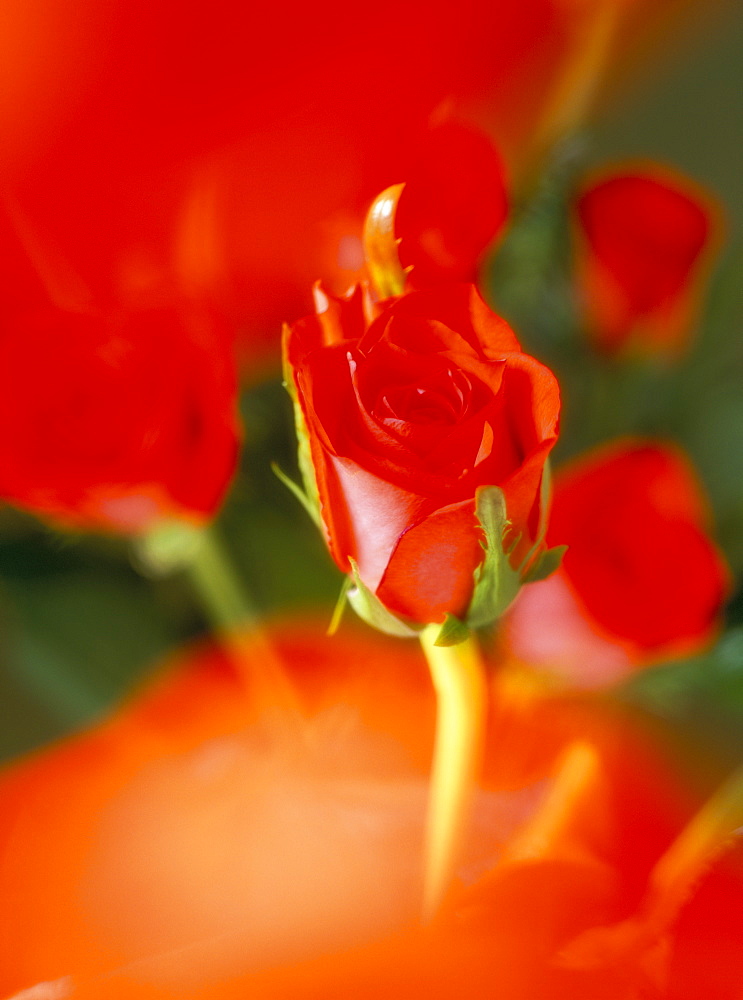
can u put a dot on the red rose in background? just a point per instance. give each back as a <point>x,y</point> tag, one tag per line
<point>644,238</point>
<point>406,421</point>
<point>234,148</point>
<point>435,227</point>
<point>453,205</point>
<point>641,578</point>
<point>116,420</point>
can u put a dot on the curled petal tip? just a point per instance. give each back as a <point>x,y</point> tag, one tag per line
<point>381,245</point>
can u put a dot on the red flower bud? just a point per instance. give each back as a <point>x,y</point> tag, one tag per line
<point>406,422</point>
<point>641,577</point>
<point>116,420</point>
<point>644,237</point>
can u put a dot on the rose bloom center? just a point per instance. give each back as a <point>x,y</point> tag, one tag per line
<point>442,399</point>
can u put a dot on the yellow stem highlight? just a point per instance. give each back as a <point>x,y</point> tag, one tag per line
<point>671,883</point>
<point>459,680</point>
<point>576,778</point>
<point>706,835</point>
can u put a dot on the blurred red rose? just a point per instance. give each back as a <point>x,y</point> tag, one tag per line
<point>644,241</point>
<point>116,420</point>
<point>208,842</point>
<point>641,579</point>
<point>406,421</point>
<point>435,225</point>
<point>453,205</point>
<point>234,148</point>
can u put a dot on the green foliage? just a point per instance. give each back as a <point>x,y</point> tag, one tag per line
<point>75,642</point>
<point>700,701</point>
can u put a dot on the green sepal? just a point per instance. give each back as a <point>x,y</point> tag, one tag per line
<point>298,492</point>
<point>452,632</point>
<point>304,451</point>
<point>546,564</point>
<point>340,606</point>
<point>496,581</point>
<point>368,606</point>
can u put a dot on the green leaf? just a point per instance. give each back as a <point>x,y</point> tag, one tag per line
<point>546,564</point>
<point>368,606</point>
<point>496,582</point>
<point>452,632</point>
<point>298,492</point>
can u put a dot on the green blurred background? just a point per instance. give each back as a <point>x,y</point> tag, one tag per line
<point>79,625</point>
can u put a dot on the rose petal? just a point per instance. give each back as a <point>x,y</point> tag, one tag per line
<point>458,307</point>
<point>374,513</point>
<point>430,572</point>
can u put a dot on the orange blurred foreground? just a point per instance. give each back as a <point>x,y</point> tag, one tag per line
<point>210,842</point>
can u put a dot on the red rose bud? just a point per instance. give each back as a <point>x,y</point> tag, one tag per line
<point>116,421</point>
<point>643,241</point>
<point>436,226</point>
<point>419,436</point>
<point>641,578</point>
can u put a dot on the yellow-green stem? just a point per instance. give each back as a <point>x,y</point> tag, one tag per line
<point>199,553</point>
<point>222,594</point>
<point>459,680</point>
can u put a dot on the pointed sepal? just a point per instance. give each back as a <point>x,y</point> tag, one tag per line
<point>496,581</point>
<point>309,497</point>
<point>368,606</point>
<point>452,632</point>
<point>546,564</point>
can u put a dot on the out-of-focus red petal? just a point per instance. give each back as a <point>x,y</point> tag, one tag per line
<point>706,957</point>
<point>452,207</point>
<point>117,419</point>
<point>644,238</point>
<point>640,566</point>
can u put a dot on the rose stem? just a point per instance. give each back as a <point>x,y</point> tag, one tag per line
<point>458,675</point>
<point>200,554</point>
<point>704,837</point>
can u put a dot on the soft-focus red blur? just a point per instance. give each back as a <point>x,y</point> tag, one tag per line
<point>116,420</point>
<point>641,579</point>
<point>212,841</point>
<point>645,238</point>
<point>230,150</point>
<point>453,205</point>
